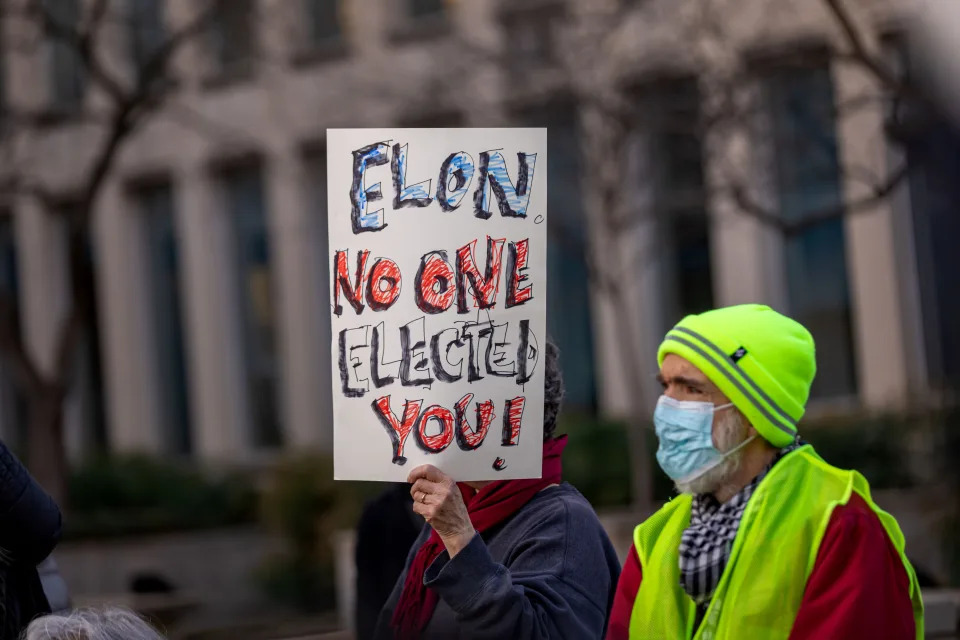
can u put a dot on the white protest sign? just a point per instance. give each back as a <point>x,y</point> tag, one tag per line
<point>438,261</point>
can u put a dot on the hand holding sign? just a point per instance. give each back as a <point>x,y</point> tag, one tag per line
<point>437,498</point>
<point>438,297</point>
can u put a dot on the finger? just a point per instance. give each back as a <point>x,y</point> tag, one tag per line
<point>424,510</point>
<point>425,486</point>
<point>427,471</point>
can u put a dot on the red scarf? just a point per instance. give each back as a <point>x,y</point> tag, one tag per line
<point>487,507</point>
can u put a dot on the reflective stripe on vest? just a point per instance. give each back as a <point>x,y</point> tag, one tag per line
<point>773,554</point>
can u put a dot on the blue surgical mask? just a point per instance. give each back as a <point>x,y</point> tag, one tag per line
<point>685,430</point>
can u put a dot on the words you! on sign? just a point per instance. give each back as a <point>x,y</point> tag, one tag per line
<point>388,336</point>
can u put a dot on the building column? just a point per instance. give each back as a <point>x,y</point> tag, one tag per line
<point>297,233</point>
<point>219,416</point>
<point>44,279</point>
<point>129,364</point>
<point>878,321</point>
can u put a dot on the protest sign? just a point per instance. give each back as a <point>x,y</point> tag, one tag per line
<point>438,300</point>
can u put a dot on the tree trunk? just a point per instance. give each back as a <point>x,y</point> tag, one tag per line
<point>46,454</point>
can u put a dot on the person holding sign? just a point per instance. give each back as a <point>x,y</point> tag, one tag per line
<point>505,559</point>
<point>767,540</point>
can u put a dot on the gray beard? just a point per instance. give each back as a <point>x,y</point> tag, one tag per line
<point>730,433</point>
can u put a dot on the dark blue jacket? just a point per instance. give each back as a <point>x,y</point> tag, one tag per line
<point>547,572</point>
<point>30,527</point>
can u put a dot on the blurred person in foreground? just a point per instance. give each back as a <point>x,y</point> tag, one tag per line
<point>92,624</point>
<point>30,527</point>
<point>766,540</point>
<point>515,559</point>
<point>380,558</point>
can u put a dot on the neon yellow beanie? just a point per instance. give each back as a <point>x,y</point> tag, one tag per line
<point>762,360</point>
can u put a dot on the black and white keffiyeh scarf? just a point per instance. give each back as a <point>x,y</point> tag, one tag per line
<point>706,543</point>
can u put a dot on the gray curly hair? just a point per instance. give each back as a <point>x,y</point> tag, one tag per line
<point>111,623</point>
<point>552,389</point>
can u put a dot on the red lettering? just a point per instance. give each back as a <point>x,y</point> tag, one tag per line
<point>516,273</point>
<point>484,286</point>
<point>398,429</point>
<point>383,284</point>
<point>512,419</point>
<point>434,288</point>
<point>468,438</point>
<point>341,281</point>
<point>440,441</point>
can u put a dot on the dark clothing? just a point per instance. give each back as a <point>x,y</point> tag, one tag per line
<point>547,572</point>
<point>30,527</point>
<point>387,529</point>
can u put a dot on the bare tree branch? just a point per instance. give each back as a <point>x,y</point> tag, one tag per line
<point>858,48</point>
<point>750,207</point>
<point>81,41</point>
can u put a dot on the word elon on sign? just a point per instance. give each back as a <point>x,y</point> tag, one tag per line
<point>457,173</point>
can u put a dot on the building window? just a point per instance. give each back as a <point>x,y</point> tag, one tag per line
<point>155,204</point>
<point>670,117</point>
<point>244,200</point>
<point>419,20</point>
<point>147,31</point>
<point>420,9</point>
<point>13,409</point>
<point>233,37</point>
<point>67,79</point>
<point>529,35</point>
<point>324,20</point>
<point>88,366</point>
<point>930,145</point>
<point>804,139</point>
<point>569,321</point>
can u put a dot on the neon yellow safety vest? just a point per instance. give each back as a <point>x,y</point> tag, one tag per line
<point>773,554</point>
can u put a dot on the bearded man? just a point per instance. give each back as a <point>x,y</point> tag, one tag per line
<point>766,539</point>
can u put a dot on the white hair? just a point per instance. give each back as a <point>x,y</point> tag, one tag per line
<point>111,623</point>
<point>731,430</point>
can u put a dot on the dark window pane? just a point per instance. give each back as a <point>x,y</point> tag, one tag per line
<point>67,73</point>
<point>808,182</point>
<point>529,35</point>
<point>670,112</point>
<point>88,368</point>
<point>568,288</point>
<point>425,8</point>
<point>163,259</point>
<point>324,20</point>
<point>243,189</point>
<point>146,30</point>
<point>932,149</point>
<point>233,35</point>
<point>934,158</point>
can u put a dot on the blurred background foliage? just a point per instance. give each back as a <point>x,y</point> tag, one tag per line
<point>138,494</point>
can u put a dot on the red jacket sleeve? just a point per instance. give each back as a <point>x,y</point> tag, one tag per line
<point>858,587</point>
<point>619,626</point>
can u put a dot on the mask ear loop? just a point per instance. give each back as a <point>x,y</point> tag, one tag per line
<point>699,472</point>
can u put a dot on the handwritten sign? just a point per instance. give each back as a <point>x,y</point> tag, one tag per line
<point>438,299</point>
